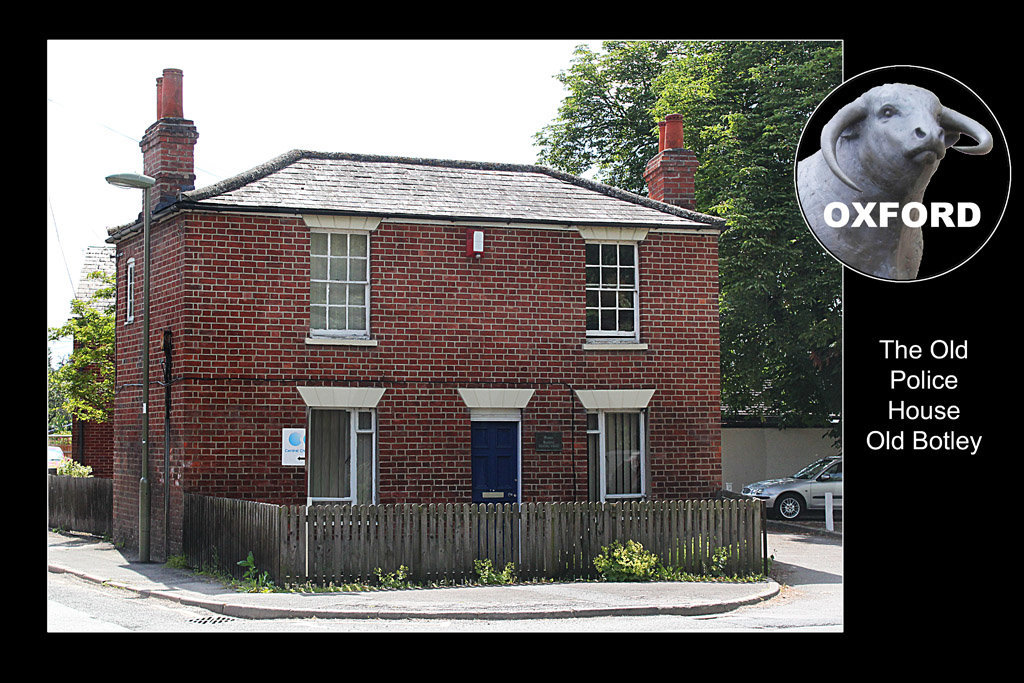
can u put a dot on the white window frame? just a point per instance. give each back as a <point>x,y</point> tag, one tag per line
<point>364,333</point>
<point>602,455</point>
<point>129,289</point>
<point>615,335</point>
<point>354,432</point>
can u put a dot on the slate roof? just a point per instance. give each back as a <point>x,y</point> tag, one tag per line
<point>306,181</point>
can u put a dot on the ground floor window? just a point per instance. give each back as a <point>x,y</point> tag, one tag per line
<point>342,449</point>
<point>615,452</point>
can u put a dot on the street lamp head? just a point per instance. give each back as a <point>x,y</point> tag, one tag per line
<point>131,180</point>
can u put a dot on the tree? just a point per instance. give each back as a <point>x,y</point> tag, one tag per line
<point>604,124</point>
<point>744,105</point>
<point>57,418</point>
<point>86,378</point>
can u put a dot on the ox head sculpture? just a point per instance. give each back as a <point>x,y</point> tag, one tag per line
<point>881,149</point>
<point>909,128</point>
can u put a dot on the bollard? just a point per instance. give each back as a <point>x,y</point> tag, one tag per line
<point>828,512</point>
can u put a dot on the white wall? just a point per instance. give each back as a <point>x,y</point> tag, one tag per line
<point>750,454</point>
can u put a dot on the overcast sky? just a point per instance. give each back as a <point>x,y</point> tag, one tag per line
<point>254,100</point>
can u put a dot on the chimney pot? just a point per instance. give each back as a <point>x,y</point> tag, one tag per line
<point>169,95</point>
<point>673,127</point>
<point>159,97</point>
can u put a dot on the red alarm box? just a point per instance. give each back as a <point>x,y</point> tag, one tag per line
<point>474,242</point>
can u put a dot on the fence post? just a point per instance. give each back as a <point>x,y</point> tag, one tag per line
<point>764,536</point>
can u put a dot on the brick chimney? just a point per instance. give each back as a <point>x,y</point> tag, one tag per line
<point>168,145</point>
<point>669,175</point>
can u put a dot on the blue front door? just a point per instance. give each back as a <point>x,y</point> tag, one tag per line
<point>495,454</point>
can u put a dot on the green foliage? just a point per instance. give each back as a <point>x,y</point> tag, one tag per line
<point>177,562</point>
<point>604,122</point>
<point>717,564</point>
<point>330,587</point>
<point>396,579</point>
<point>488,575</point>
<point>254,580</point>
<point>629,562</point>
<point>744,104</point>
<point>73,468</point>
<point>58,419</point>
<point>85,381</point>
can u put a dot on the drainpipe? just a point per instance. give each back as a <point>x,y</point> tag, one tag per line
<point>167,443</point>
<point>81,441</point>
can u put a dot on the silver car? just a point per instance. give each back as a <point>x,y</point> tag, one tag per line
<point>790,497</point>
<point>54,457</point>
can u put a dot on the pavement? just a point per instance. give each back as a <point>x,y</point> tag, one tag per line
<point>813,525</point>
<point>93,559</point>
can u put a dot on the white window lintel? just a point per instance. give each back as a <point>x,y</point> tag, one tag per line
<point>341,397</point>
<point>496,398</point>
<point>614,399</point>
<point>368,223</point>
<point>611,233</point>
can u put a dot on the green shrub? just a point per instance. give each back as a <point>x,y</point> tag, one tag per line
<point>628,562</point>
<point>718,562</point>
<point>73,468</point>
<point>254,580</point>
<point>488,575</point>
<point>396,579</point>
<point>177,562</point>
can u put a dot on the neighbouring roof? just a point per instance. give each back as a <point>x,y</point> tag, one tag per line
<point>95,259</point>
<point>304,181</point>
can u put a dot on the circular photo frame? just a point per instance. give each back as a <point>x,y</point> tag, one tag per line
<point>902,173</point>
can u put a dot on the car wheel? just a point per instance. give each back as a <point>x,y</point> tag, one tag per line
<point>789,506</point>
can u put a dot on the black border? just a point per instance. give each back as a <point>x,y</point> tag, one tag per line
<point>925,531</point>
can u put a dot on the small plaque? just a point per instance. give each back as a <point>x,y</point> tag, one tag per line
<point>548,441</point>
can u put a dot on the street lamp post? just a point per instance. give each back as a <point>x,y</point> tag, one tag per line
<point>136,181</point>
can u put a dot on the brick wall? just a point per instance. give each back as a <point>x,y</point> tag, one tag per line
<point>92,444</point>
<point>234,290</point>
<point>670,177</point>
<point>167,309</point>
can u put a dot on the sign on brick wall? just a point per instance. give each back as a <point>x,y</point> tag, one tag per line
<point>549,441</point>
<point>293,447</point>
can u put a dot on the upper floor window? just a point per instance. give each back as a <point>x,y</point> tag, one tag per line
<point>130,291</point>
<point>612,290</point>
<point>340,284</point>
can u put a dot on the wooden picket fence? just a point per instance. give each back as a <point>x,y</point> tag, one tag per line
<point>218,533</point>
<point>83,504</point>
<point>338,544</point>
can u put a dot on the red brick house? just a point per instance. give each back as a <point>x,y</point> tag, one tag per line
<point>360,328</point>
